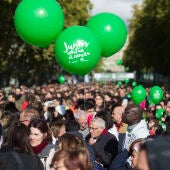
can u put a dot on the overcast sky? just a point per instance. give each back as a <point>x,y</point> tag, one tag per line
<point>122,8</point>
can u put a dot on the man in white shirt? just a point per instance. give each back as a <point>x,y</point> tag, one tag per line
<point>136,129</point>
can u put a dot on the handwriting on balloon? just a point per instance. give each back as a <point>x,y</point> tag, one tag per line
<point>77,51</point>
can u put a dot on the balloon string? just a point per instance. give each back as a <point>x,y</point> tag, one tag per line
<point>84,94</point>
<point>104,94</point>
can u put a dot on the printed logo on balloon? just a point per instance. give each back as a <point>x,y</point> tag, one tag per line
<point>156,94</point>
<point>77,50</point>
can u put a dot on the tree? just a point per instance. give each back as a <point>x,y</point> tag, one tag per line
<point>149,37</point>
<point>28,63</point>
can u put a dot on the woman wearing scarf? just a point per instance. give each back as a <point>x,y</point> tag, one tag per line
<point>41,141</point>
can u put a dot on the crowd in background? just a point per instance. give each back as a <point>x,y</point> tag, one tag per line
<point>83,126</point>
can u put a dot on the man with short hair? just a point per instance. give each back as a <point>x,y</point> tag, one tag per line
<point>89,108</point>
<point>137,128</point>
<point>105,144</point>
<point>117,112</point>
<point>27,114</point>
<point>119,128</point>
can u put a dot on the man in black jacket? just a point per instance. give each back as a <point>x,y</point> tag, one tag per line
<point>105,144</point>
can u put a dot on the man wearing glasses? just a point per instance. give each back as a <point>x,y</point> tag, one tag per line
<point>105,144</point>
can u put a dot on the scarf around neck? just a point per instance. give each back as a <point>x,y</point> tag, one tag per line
<point>37,149</point>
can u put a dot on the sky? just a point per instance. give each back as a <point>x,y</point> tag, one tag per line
<point>122,8</point>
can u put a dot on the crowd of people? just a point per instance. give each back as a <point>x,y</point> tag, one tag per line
<point>83,126</point>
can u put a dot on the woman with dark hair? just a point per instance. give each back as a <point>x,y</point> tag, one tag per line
<point>69,115</point>
<point>41,141</point>
<point>53,115</point>
<point>58,128</point>
<point>7,119</point>
<point>16,152</point>
<point>99,102</point>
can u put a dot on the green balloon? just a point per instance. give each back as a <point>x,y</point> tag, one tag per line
<point>129,96</point>
<point>134,83</point>
<point>111,30</point>
<point>119,83</point>
<point>151,102</point>
<point>61,79</point>
<point>103,83</point>
<point>126,68</point>
<point>159,113</point>
<point>78,50</point>
<point>156,94</point>
<point>126,81</point>
<point>138,94</point>
<point>38,22</point>
<point>119,62</point>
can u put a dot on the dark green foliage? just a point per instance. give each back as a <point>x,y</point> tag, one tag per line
<point>149,38</point>
<point>31,64</point>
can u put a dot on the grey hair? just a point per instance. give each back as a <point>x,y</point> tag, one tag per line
<point>80,114</point>
<point>100,122</point>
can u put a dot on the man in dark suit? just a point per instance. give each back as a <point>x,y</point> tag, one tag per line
<point>105,144</point>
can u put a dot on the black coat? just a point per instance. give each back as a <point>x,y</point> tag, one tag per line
<point>105,148</point>
<point>8,162</point>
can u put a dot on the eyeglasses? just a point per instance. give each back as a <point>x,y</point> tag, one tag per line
<point>92,128</point>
